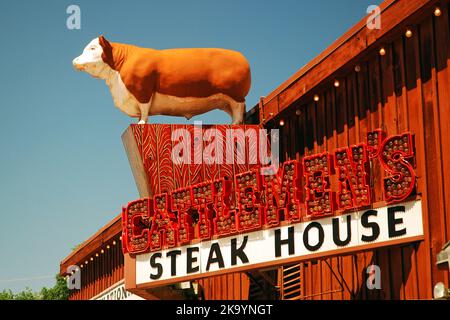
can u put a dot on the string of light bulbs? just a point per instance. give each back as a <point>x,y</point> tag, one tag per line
<point>336,83</point>
<point>97,254</point>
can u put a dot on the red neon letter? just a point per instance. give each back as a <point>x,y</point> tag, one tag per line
<point>164,227</point>
<point>352,165</point>
<point>282,193</point>
<point>203,199</point>
<point>396,157</point>
<point>374,140</point>
<point>248,186</point>
<point>181,204</point>
<point>225,220</point>
<point>319,197</point>
<point>135,222</point>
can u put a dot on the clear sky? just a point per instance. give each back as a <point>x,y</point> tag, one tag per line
<point>63,170</point>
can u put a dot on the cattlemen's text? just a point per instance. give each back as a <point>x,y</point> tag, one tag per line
<point>265,198</point>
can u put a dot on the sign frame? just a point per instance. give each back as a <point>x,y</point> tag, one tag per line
<point>132,285</point>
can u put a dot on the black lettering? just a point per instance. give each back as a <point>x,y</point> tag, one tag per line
<point>289,241</point>
<point>215,250</point>
<point>156,265</point>
<point>173,261</point>
<point>235,252</point>
<point>393,222</point>
<point>336,234</point>
<point>373,225</point>
<point>319,228</point>
<point>191,260</point>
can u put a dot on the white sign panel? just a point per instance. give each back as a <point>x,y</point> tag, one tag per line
<point>117,292</point>
<point>355,231</point>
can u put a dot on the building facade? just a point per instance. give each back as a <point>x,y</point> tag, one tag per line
<point>395,79</point>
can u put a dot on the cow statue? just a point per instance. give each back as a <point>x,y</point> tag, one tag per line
<point>174,82</point>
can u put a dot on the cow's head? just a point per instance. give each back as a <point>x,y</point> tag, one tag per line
<point>95,57</point>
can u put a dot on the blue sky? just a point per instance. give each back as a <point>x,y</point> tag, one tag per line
<point>63,170</point>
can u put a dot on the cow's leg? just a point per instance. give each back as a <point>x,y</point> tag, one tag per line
<point>237,112</point>
<point>145,111</point>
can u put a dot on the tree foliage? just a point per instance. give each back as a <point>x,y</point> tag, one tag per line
<point>58,292</point>
<point>26,294</point>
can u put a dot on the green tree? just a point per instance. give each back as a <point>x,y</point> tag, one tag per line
<point>58,292</point>
<point>26,294</point>
<point>6,295</point>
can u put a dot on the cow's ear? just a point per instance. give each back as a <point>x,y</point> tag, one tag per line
<point>103,42</point>
<point>107,51</point>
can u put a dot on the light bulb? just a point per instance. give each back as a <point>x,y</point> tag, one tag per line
<point>439,290</point>
<point>437,12</point>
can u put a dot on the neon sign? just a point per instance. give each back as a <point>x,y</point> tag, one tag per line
<point>299,191</point>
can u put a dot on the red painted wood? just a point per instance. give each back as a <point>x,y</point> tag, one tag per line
<point>180,169</point>
<point>155,147</point>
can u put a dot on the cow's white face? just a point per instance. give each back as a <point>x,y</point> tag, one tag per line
<point>91,60</point>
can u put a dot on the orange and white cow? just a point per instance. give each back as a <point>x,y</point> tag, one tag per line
<point>174,82</point>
